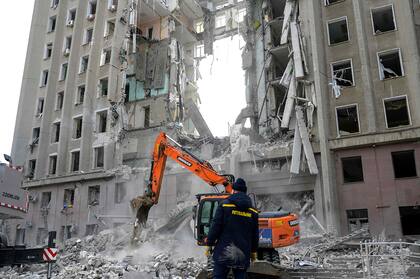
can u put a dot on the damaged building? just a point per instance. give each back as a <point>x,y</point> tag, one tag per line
<point>329,87</point>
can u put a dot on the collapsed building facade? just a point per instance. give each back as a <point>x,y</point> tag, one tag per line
<point>328,109</point>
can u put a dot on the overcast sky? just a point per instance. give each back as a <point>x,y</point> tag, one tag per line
<point>221,89</point>
<point>15,33</point>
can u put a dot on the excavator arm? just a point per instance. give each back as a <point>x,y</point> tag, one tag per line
<point>166,147</point>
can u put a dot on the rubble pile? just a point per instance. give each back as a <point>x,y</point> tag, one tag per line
<point>108,255</point>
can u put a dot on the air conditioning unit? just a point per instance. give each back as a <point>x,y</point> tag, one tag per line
<point>112,8</point>
<point>91,17</point>
<point>66,52</point>
<point>70,23</point>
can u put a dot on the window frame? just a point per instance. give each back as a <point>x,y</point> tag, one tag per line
<point>342,159</point>
<point>338,19</point>
<point>99,87</point>
<point>46,50</point>
<point>50,156</point>
<point>393,17</point>
<point>54,132</point>
<point>415,164</point>
<point>71,167</point>
<point>328,4</point>
<point>74,131</point>
<point>389,51</point>
<point>59,105</point>
<point>216,19</point>
<point>64,68</point>
<point>358,119</point>
<point>94,161</point>
<point>408,110</point>
<point>50,28</point>
<point>82,58</point>
<point>352,70</point>
<point>97,123</point>
<point>44,76</point>
<point>77,99</point>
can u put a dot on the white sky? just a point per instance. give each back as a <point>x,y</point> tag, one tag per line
<point>15,33</point>
<point>222,89</point>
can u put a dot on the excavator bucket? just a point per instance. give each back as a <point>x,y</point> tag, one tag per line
<point>142,204</point>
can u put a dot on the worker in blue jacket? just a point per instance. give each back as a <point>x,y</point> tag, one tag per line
<point>234,233</point>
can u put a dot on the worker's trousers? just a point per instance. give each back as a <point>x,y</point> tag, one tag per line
<point>221,272</point>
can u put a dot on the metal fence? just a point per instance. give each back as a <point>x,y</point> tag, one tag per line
<point>388,259</point>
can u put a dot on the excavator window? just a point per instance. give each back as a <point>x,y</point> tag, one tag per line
<point>206,213</point>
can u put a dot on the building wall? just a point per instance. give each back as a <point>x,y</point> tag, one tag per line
<point>380,192</point>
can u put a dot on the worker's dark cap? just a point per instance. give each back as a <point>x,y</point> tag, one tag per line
<point>239,185</point>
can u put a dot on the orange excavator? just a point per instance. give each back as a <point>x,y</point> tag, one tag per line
<point>277,229</point>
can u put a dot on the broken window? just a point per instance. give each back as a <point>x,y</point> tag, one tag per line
<point>352,169</point>
<point>146,117</point>
<point>241,15</point>
<point>80,96</point>
<point>44,78</point>
<point>199,51</point>
<point>343,72</point>
<point>63,71</point>
<point>199,27</point>
<point>55,133</point>
<point>220,21</point>
<point>71,17</point>
<point>120,192</point>
<point>68,200</point>
<point>330,2</point>
<point>54,3</point>
<point>91,8</point>
<point>59,100</point>
<point>112,5</point>
<point>105,56</point>
<point>347,120</point>
<point>40,106</point>
<point>88,36</point>
<point>45,199</point>
<point>31,168</point>
<point>35,135</point>
<point>150,33</point>
<point>389,63</point>
<point>338,31</point>
<point>103,87</point>
<point>77,127</point>
<point>93,195</point>
<point>383,19</point>
<point>52,165</point>
<point>48,50</point>
<point>91,229</point>
<point>52,23</point>
<point>410,219</point>
<point>357,219</point>
<point>101,118</point>
<point>99,157</point>
<point>67,46</point>
<point>109,28</point>
<point>404,163</point>
<point>84,62</point>
<point>75,158</point>
<point>396,112</point>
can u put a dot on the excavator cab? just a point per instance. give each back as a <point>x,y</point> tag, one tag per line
<point>204,214</point>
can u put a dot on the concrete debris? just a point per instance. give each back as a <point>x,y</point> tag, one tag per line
<point>106,255</point>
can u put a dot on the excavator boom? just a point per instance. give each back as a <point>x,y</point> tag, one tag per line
<point>166,147</point>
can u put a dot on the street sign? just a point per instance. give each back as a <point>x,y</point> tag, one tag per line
<point>50,254</point>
